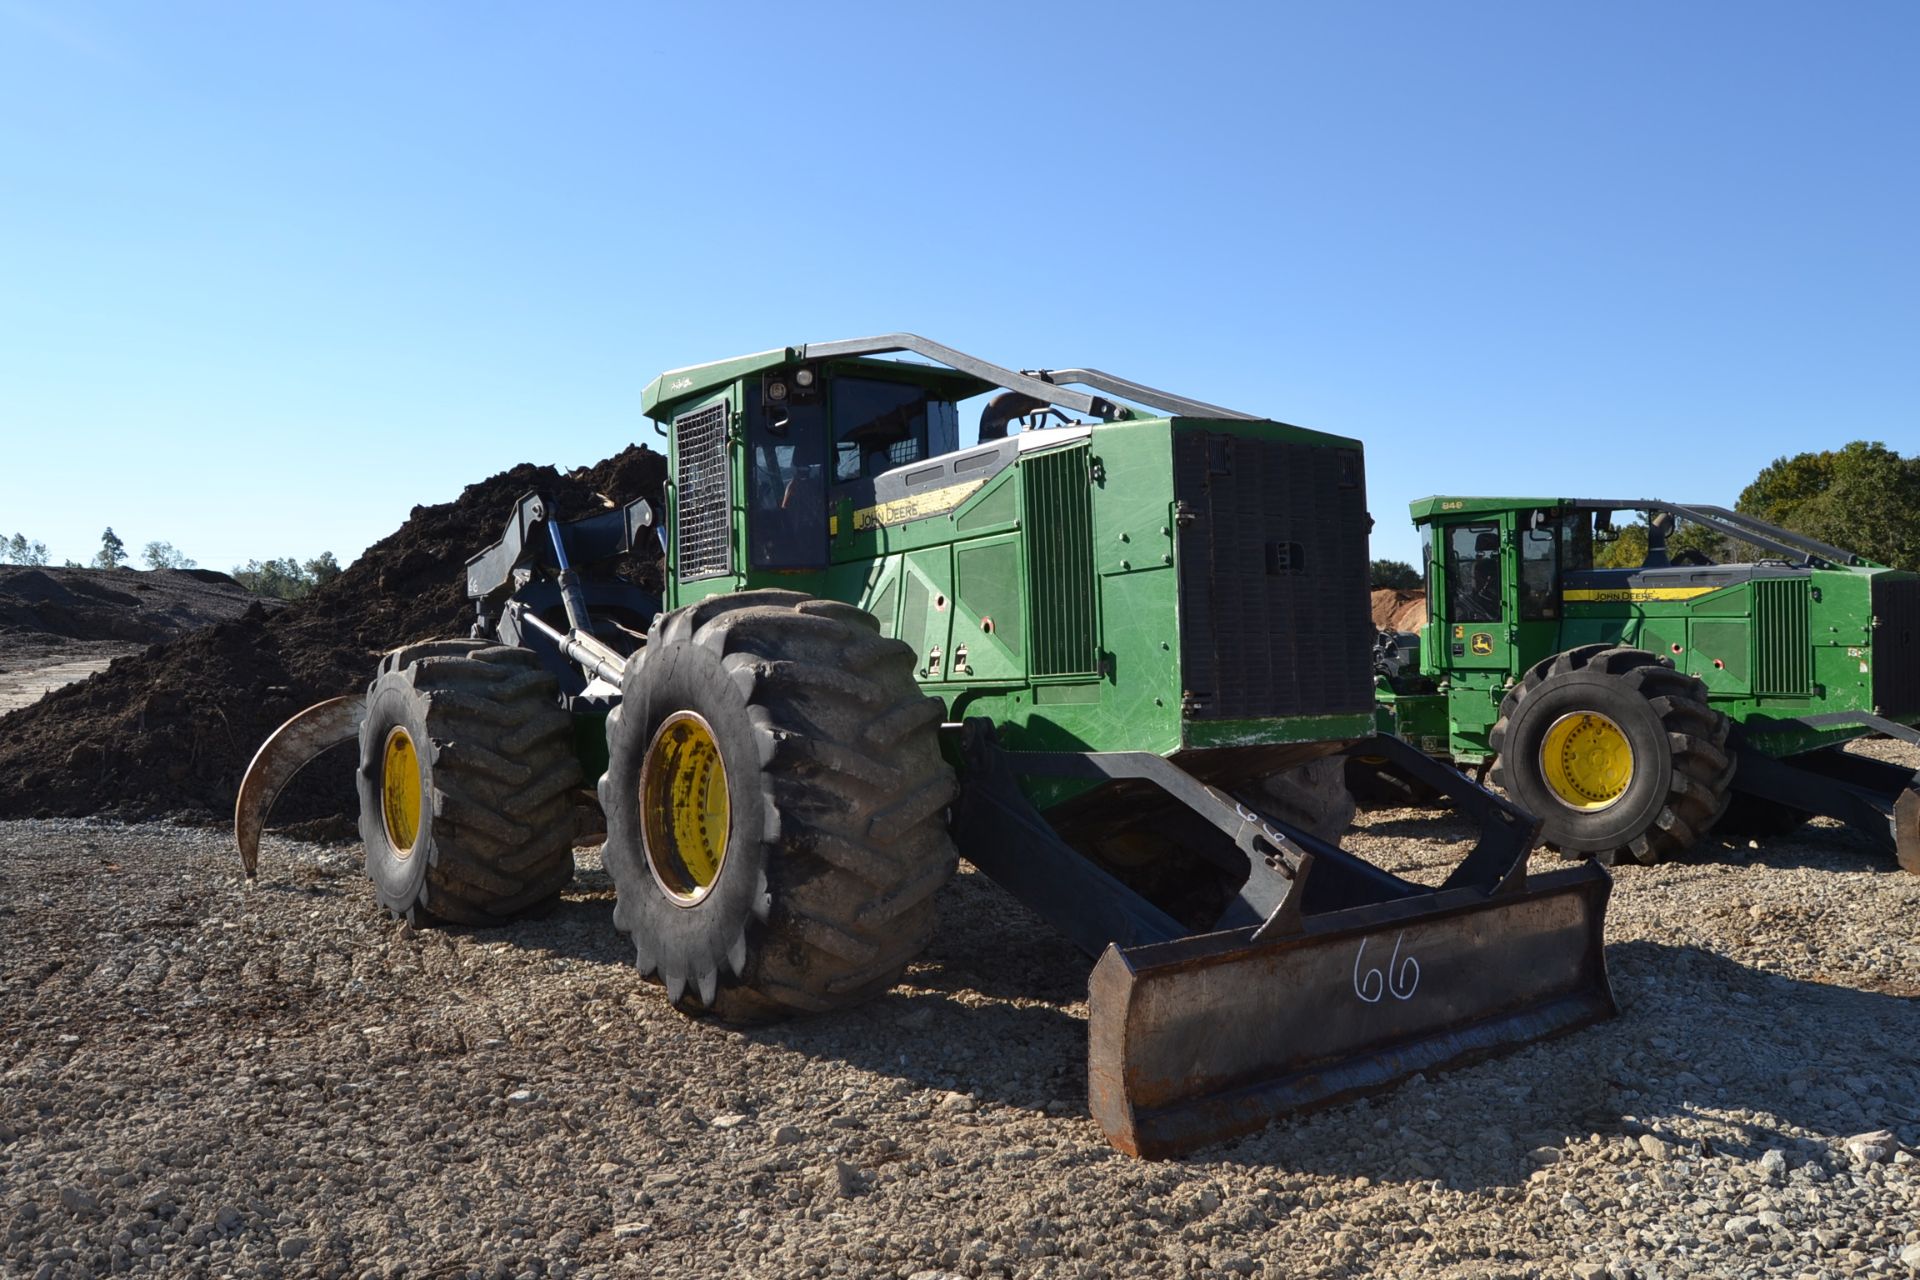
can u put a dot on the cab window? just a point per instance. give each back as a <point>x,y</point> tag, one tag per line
<point>878,426</point>
<point>1576,542</point>
<point>1473,573</point>
<point>1539,567</point>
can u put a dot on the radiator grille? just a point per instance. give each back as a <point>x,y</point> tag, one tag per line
<point>1782,652</point>
<point>1064,639</point>
<point>1275,614</point>
<point>702,534</point>
<point>1896,646</point>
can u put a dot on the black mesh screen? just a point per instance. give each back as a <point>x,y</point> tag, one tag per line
<point>1275,615</point>
<point>702,532</point>
<point>1896,646</point>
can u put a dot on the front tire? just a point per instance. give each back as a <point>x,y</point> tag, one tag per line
<point>1617,753</point>
<point>467,780</point>
<point>776,806</point>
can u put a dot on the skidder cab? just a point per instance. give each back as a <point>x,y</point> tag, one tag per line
<point>1091,654</point>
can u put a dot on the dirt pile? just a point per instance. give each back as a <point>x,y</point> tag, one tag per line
<point>1399,610</point>
<point>170,731</point>
<point>114,604</point>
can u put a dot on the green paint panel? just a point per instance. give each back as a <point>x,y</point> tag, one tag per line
<point>1248,733</point>
<point>884,604</point>
<point>1722,654</point>
<point>1782,660</point>
<point>927,613</point>
<point>1058,695</point>
<point>987,589</point>
<point>1059,525</point>
<point>995,507</point>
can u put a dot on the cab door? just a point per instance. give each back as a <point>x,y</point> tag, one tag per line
<point>1477,613</point>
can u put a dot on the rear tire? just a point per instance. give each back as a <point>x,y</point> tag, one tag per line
<point>776,806</point>
<point>467,779</point>
<point>1617,753</point>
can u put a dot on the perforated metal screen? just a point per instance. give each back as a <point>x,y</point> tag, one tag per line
<point>1274,612</point>
<point>703,535</point>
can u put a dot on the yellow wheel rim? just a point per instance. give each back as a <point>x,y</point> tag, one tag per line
<point>400,791</point>
<point>685,815</point>
<point>1586,760</point>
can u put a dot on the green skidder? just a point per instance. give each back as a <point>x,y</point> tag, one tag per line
<point>1636,708</point>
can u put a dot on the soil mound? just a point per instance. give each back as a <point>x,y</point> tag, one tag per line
<point>170,730</point>
<point>115,604</point>
<point>1395,609</point>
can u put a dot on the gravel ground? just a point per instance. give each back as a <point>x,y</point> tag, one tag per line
<point>198,1078</point>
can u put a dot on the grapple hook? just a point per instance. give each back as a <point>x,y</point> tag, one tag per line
<point>287,750</point>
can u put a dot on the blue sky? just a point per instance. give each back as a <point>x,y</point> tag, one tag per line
<point>271,274</point>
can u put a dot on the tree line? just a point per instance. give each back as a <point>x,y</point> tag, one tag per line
<point>286,578</point>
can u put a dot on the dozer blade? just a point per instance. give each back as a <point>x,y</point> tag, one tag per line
<point>287,750</point>
<point>1325,978</point>
<point>1205,1038</point>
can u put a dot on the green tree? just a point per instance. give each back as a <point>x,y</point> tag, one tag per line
<point>112,553</point>
<point>287,578</point>
<point>161,555</point>
<point>1397,574</point>
<point>322,569</point>
<point>1863,496</point>
<point>281,579</point>
<point>17,550</point>
<point>1689,542</point>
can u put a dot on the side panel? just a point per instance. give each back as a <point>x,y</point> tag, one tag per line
<point>989,629</point>
<point>1091,598</point>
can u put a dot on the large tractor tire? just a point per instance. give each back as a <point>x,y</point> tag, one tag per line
<point>1312,796</point>
<point>1617,753</point>
<point>776,806</point>
<point>467,782</point>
